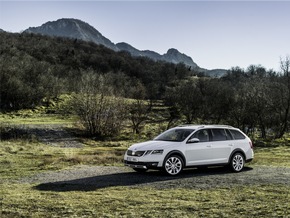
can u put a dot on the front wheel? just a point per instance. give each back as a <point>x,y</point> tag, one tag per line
<point>237,162</point>
<point>173,165</point>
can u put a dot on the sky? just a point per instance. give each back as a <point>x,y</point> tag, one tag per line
<point>215,34</point>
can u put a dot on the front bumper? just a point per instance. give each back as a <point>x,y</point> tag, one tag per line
<point>141,165</point>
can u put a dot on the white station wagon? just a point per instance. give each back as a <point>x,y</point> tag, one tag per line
<point>192,146</point>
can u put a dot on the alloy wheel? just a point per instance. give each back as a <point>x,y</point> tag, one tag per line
<point>237,162</point>
<point>173,165</point>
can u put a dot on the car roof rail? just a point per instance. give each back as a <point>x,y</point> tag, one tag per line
<point>228,126</point>
<point>190,125</point>
<point>183,125</point>
<point>203,126</point>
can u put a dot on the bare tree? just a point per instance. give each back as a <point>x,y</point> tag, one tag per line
<point>100,112</point>
<point>139,108</point>
<point>285,97</point>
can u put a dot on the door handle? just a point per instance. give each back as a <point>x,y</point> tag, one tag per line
<point>208,146</point>
<point>231,145</point>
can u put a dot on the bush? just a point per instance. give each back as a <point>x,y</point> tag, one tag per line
<point>100,112</point>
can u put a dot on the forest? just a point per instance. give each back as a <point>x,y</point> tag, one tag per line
<point>109,88</point>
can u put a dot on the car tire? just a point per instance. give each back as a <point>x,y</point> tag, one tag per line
<point>237,162</point>
<point>173,165</point>
<point>140,170</point>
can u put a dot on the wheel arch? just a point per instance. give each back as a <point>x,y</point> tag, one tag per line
<point>175,152</point>
<point>238,150</point>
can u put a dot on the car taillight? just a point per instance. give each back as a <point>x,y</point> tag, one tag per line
<point>251,144</point>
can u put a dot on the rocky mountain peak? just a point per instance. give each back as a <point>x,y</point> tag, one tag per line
<point>176,57</point>
<point>172,51</point>
<point>72,28</point>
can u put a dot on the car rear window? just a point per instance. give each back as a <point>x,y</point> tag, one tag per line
<point>237,134</point>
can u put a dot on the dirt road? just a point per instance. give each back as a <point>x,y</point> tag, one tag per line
<point>89,178</point>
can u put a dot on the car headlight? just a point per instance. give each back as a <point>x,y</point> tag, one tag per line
<point>157,152</point>
<point>148,152</point>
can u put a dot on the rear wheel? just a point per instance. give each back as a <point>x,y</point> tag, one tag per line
<point>237,162</point>
<point>173,165</point>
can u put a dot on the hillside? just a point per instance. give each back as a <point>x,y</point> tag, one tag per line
<point>77,29</point>
<point>36,66</point>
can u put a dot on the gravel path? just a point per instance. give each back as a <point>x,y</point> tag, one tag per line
<point>89,178</point>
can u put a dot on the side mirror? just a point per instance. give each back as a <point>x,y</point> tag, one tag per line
<point>193,140</point>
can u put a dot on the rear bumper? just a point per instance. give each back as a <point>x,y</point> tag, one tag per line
<point>142,165</point>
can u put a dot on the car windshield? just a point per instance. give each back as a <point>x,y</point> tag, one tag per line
<point>175,135</point>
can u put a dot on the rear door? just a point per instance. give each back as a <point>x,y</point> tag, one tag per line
<point>221,145</point>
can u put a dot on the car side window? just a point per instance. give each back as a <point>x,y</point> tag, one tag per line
<point>229,135</point>
<point>202,135</point>
<point>219,135</point>
<point>236,134</point>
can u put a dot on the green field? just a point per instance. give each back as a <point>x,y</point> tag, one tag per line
<point>251,201</point>
<point>27,156</point>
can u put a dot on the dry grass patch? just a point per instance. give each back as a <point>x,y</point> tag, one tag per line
<point>272,156</point>
<point>247,201</point>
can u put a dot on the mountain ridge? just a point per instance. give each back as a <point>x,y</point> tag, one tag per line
<point>74,28</point>
<point>78,29</point>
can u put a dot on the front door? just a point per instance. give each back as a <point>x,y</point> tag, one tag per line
<point>199,153</point>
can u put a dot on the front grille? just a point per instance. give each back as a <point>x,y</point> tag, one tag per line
<point>135,153</point>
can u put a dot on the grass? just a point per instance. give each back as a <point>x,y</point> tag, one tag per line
<point>27,156</point>
<point>20,158</point>
<point>251,201</point>
<point>274,156</point>
<point>23,158</point>
<point>24,118</point>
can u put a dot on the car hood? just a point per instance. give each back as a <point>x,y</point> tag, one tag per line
<point>151,145</point>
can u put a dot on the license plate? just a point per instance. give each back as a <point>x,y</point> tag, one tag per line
<point>133,159</point>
